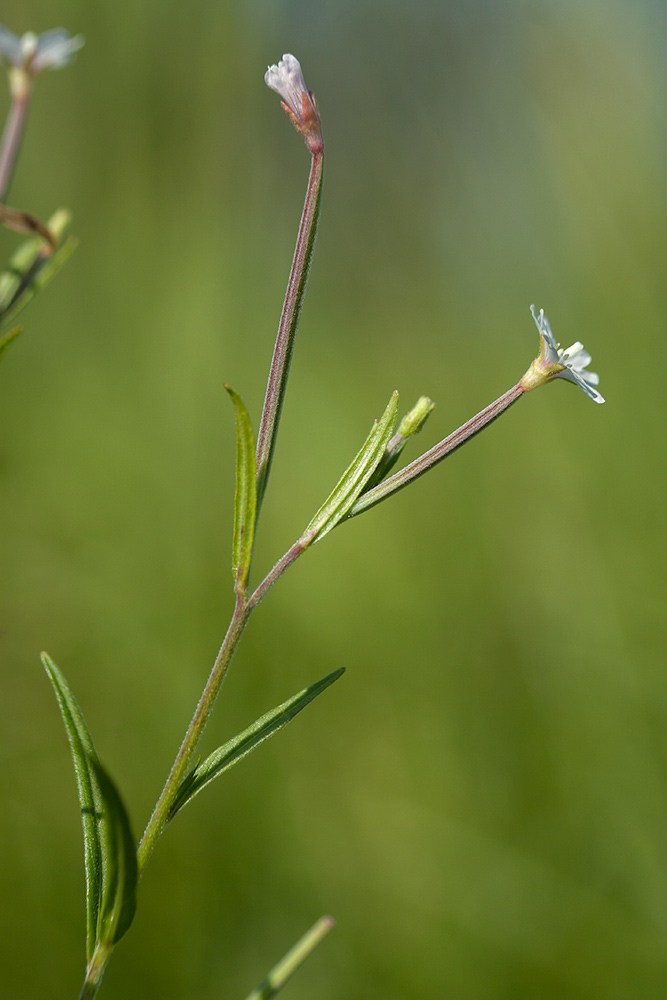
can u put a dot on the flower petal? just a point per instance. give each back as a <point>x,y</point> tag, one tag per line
<point>10,46</point>
<point>287,80</point>
<point>549,345</point>
<point>55,48</point>
<point>585,380</point>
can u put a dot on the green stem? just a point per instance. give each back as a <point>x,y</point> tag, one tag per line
<point>181,765</point>
<point>287,966</point>
<point>289,321</point>
<point>95,971</point>
<point>291,556</point>
<point>242,611</point>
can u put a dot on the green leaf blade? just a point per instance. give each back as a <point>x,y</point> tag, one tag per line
<point>240,746</point>
<point>83,751</point>
<point>109,849</point>
<point>344,494</point>
<point>245,498</point>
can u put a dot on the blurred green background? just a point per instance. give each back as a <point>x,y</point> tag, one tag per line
<point>481,801</point>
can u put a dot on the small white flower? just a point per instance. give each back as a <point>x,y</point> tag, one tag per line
<point>287,80</point>
<point>554,362</point>
<point>34,53</point>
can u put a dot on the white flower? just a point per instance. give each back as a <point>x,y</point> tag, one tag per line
<point>554,362</point>
<point>34,53</point>
<point>287,80</point>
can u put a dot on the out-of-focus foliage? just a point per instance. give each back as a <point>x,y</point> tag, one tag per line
<point>482,801</point>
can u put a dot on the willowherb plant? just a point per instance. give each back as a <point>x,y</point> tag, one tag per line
<point>114,863</point>
<point>38,259</point>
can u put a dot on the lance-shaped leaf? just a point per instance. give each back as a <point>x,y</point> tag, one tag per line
<point>355,477</point>
<point>245,498</point>
<point>288,965</point>
<point>240,746</point>
<point>109,851</point>
<point>30,268</point>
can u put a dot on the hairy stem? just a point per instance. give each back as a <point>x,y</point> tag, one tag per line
<point>436,454</point>
<point>289,321</point>
<point>95,971</point>
<point>242,611</point>
<point>181,765</point>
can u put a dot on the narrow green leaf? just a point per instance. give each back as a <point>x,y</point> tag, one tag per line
<point>288,965</point>
<point>119,897</point>
<point>245,498</point>
<point>355,477</point>
<point>90,801</point>
<point>109,849</point>
<point>8,338</point>
<point>237,748</point>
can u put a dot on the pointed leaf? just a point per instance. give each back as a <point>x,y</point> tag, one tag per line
<point>237,748</point>
<point>245,499</point>
<point>83,752</point>
<point>288,965</point>
<point>355,477</point>
<point>109,850</point>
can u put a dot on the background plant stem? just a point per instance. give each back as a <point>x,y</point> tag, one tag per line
<point>11,140</point>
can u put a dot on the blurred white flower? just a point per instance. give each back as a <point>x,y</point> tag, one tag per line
<point>554,362</point>
<point>34,53</point>
<point>287,80</point>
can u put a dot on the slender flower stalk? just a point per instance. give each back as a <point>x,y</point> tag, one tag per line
<point>552,362</point>
<point>439,451</point>
<point>299,104</point>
